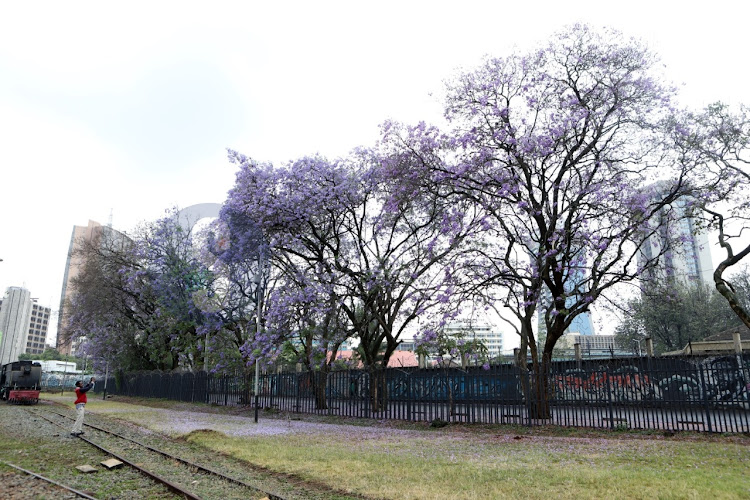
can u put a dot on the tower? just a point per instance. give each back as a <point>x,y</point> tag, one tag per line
<point>14,323</point>
<point>680,244</point>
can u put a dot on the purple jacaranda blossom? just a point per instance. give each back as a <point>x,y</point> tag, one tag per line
<point>560,149</point>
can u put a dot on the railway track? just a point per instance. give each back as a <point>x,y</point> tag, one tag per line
<point>58,484</point>
<point>183,477</point>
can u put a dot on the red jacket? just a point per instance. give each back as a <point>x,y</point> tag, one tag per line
<point>81,393</point>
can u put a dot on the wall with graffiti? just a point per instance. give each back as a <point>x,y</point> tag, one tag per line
<point>52,381</point>
<point>719,382</point>
<point>716,382</point>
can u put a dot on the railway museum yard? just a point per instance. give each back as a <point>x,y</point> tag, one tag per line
<point>182,450</point>
<point>36,439</point>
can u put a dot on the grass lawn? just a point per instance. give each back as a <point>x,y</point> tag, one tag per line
<point>445,464</point>
<point>414,461</point>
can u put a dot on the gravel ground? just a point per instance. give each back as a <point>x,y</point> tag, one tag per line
<point>36,445</point>
<point>20,486</point>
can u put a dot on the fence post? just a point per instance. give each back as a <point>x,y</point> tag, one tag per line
<point>328,392</point>
<point>255,389</point>
<point>408,396</point>
<point>209,387</point>
<point>650,347</point>
<point>368,394</point>
<point>609,400</point>
<point>106,376</point>
<point>706,402</point>
<point>296,384</point>
<point>527,381</point>
<point>271,387</point>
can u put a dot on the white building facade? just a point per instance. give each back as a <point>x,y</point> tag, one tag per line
<point>23,325</point>
<point>490,336</point>
<point>588,343</point>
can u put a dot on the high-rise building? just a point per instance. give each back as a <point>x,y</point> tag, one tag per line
<point>23,325</point>
<point>681,246</point>
<point>80,237</point>
<point>91,234</point>
<point>36,340</point>
<point>581,324</point>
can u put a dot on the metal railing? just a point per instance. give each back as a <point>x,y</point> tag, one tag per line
<point>702,394</point>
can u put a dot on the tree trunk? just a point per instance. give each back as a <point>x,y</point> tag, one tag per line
<point>540,388</point>
<point>319,381</point>
<point>731,298</point>
<point>378,392</point>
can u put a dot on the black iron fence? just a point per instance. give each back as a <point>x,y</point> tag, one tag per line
<point>709,394</point>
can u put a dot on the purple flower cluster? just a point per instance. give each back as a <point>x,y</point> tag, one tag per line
<point>556,168</point>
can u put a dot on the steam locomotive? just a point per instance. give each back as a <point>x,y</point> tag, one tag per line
<point>20,382</point>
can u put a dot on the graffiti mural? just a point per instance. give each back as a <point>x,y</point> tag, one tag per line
<point>719,382</point>
<point>623,384</point>
<point>58,380</point>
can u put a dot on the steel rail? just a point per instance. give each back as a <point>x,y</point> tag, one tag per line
<point>201,468</point>
<point>171,486</point>
<point>51,481</point>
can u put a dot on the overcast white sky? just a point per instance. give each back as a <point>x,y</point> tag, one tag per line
<point>128,108</point>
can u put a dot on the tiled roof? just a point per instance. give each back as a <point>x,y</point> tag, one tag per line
<point>399,359</point>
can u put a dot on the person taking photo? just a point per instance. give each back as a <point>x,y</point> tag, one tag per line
<point>80,403</point>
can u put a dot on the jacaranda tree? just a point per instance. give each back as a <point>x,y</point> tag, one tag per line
<point>561,148</point>
<point>373,253</point>
<point>170,274</point>
<point>231,303</point>
<point>134,301</point>
<point>102,310</point>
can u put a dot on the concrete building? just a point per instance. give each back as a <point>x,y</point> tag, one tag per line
<point>489,335</point>
<point>93,233</point>
<point>589,343</point>
<point>38,329</point>
<point>682,247</point>
<point>73,265</point>
<point>54,366</point>
<point>23,325</point>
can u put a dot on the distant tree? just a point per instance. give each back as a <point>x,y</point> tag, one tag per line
<point>133,301</point>
<point>674,314</point>
<point>51,354</point>
<point>452,349</point>
<point>455,348</point>
<point>103,309</point>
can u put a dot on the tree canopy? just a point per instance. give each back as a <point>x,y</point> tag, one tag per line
<point>537,199</point>
<point>673,314</point>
